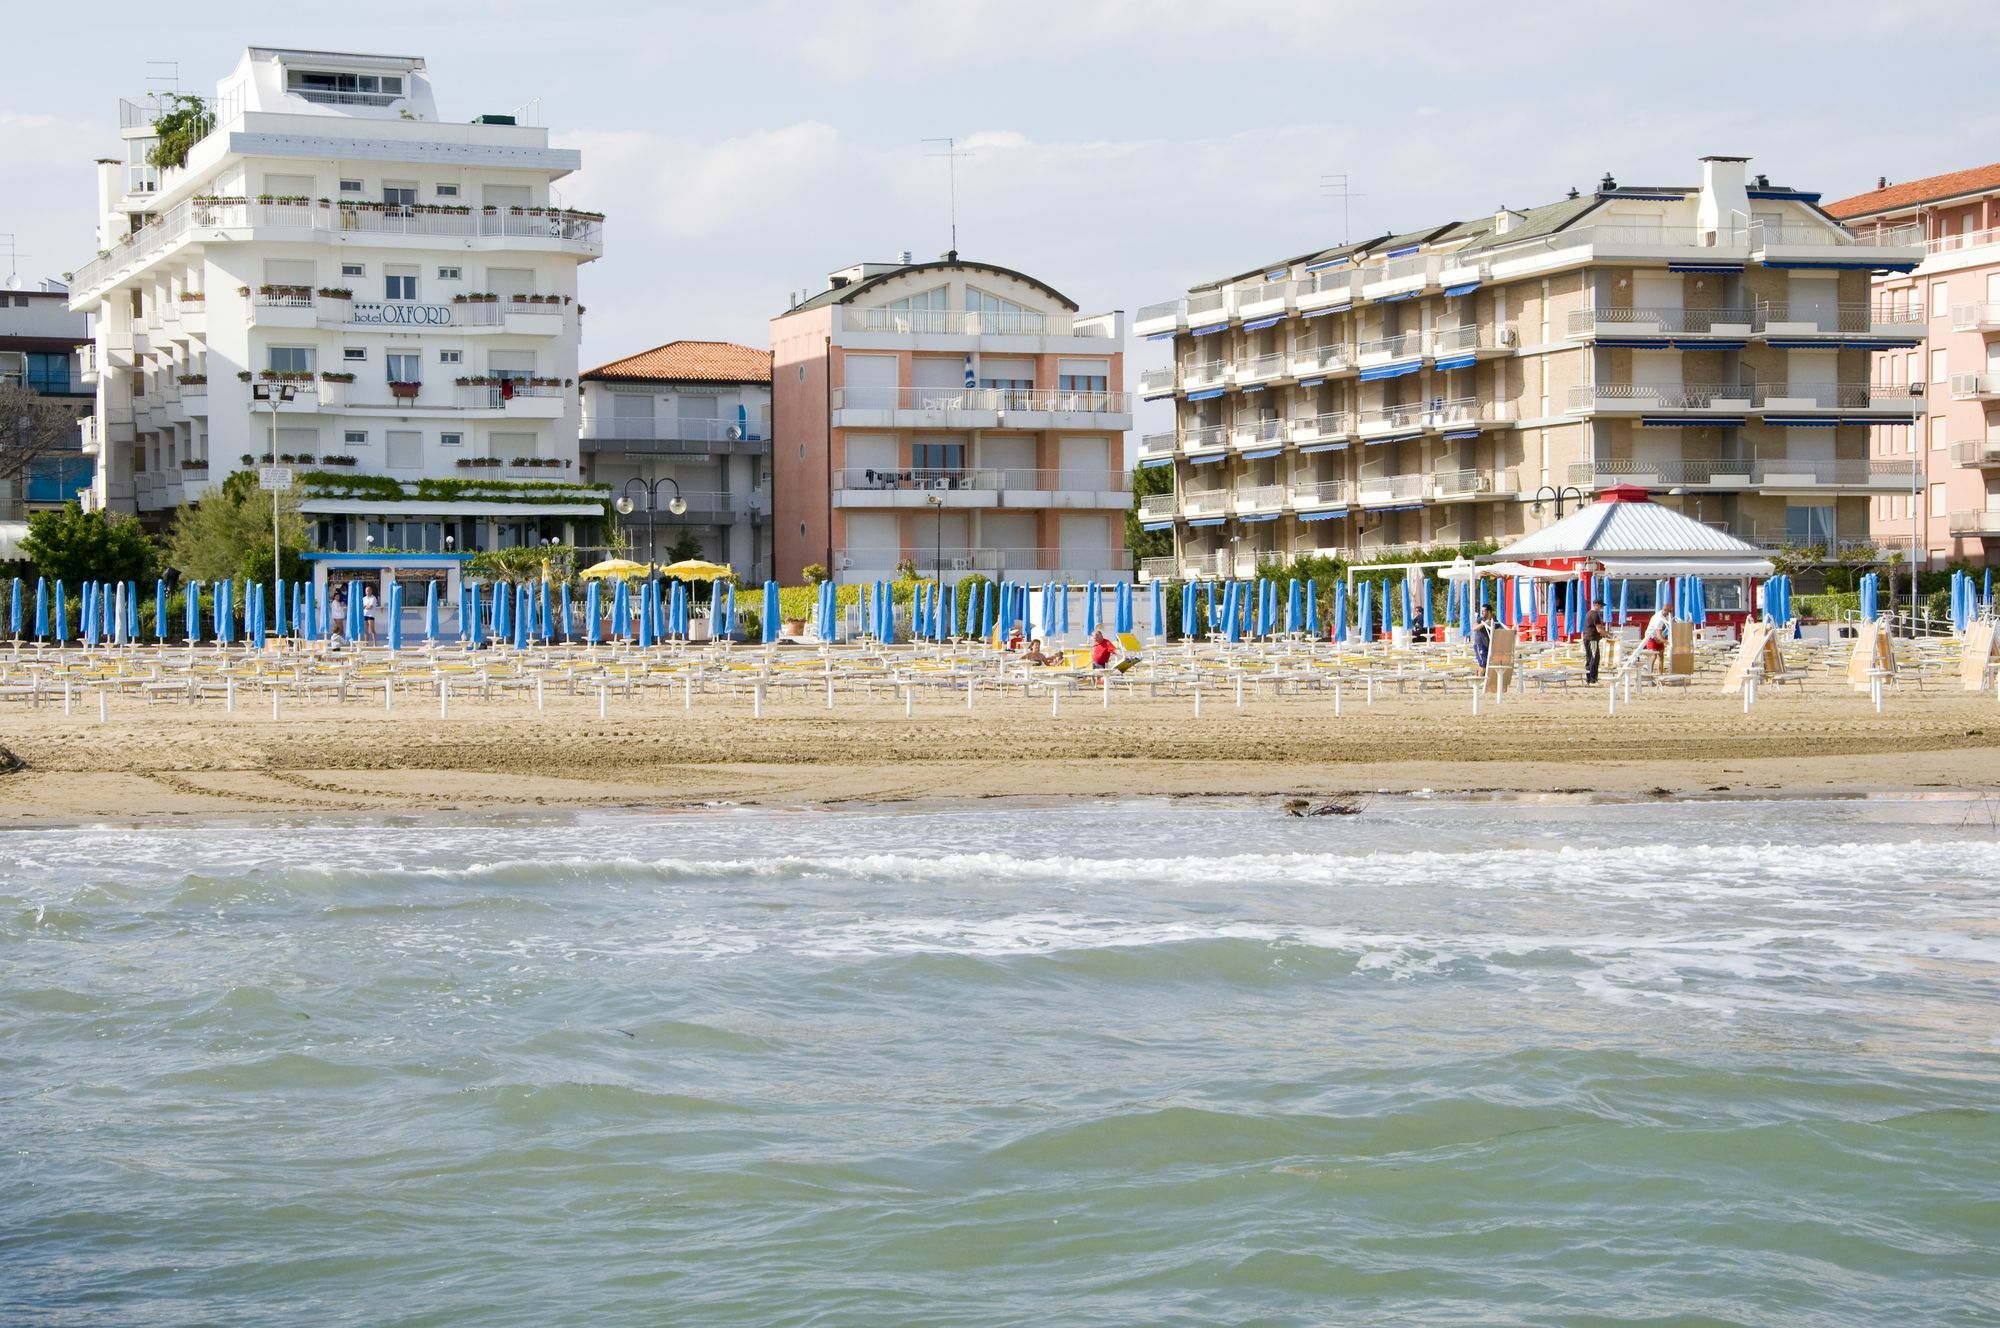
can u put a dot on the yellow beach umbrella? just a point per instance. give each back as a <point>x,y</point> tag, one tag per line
<point>694,569</point>
<point>618,568</point>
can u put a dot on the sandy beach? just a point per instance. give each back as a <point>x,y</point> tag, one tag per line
<point>164,761</point>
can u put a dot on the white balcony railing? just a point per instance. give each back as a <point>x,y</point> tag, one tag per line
<point>1375,490</point>
<point>1330,424</point>
<point>1207,374</point>
<point>1156,445</point>
<point>1156,381</point>
<point>1310,360</point>
<point>1658,322</point>
<point>1252,499</point>
<point>1805,234</point>
<point>1158,506</point>
<point>982,399</point>
<point>1404,345</point>
<point>1979,452</point>
<point>1379,419</point>
<point>1857,317</point>
<point>969,322</point>
<point>1974,386</point>
<point>1321,493</point>
<point>1984,317</point>
<point>979,479</point>
<point>1649,396</point>
<point>1205,438</point>
<point>1261,368</point>
<point>1974,523</point>
<point>1461,483</point>
<point>1209,306</point>
<point>1258,433</point>
<point>1205,502</point>
<point>1459,340</point>
<point>1747,472</point>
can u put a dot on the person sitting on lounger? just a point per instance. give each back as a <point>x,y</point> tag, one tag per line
<point>1034,654</point>
<point>1017,640</point>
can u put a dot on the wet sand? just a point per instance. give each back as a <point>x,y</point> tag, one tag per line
<point>167,760</point>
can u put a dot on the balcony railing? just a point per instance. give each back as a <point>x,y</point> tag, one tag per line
<point>1258,433</point>
<point>1974,523</point>
<point>1156,445</point>
<point>1205,502</point>
<point>1459,340</point>
<point>980,479</point>
<point>1378,489</point>
<point>1207,374</point>
<point>1984,317</point>
<point>1650,321</point>
<point>704,431</point>
<point>1951,244</point>
<point>1210,306</point>
<point>1839,396</point>
<point>1309,360</point>
<point>1258,498</point>
<point>992,561</point>
<point>1261,368</point>
<point>1205,438</point>
<point>1974,386</point>
<point>969,322</point>
<point>1152,313</point>
<point>329,219</point>
<point>1321,493</point>
<point>1262,293</point>
<point>1153,381</point>
<point>1856,317</point>
<point>1404,345</point>
<point>1647,396</point>
<point>1461,483</point>
<point>1331,424</point>
<point>1746,472</point>
<point>1764,234</point>
<point>986,399</point>
<point>1979,452</point>
<point>1159,569</point>
<point>1377,419</point>
<point>1329,286</point>
<point>1157,506</point>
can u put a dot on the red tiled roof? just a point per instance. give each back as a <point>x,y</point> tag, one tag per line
<point>1912,192</point>
<point>691,362</point>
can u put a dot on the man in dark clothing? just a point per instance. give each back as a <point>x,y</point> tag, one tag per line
<point>1482,638</point>
<point>1593,641</point>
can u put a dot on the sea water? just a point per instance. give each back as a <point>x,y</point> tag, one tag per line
<point>1440,1062</point>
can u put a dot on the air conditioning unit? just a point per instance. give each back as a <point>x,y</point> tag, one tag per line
<point>1509,337</point>
<point>843,562</point>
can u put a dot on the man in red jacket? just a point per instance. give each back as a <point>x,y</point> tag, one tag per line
<point>1102,650</point>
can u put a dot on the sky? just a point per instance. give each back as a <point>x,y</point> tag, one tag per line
<point>1120,150</point>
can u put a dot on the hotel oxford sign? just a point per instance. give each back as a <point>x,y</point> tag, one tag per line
<point>404,315</point>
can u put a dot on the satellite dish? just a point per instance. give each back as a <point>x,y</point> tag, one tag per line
<point>735,433</point>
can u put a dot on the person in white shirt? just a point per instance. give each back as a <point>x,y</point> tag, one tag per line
<point>368,607</point>
<point>1658,627</point>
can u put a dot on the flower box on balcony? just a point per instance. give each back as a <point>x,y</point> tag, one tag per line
<point>470,463</point>
<point>335,293</point>
<point>328,376</point>
<point>404,391</point>
<point>192,380</point>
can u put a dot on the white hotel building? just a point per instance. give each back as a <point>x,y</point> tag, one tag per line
<point>339,276</point>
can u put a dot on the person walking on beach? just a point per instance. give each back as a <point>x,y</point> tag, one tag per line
<point>1482,637</point>
<point>368,606</point>
<point>336,618</point>
<point>1657,629</point>
<point>1593,642</point>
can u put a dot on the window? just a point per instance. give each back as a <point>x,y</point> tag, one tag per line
<point>1937,433</point>
<point>1809,525</point>
<point>998,315</point>
<point>403,449</point>
<point>924,312</point>
<point>350,186</point>
<point>355,438</point>
<point>1937,366</point>
<point>48,372</point>
<point>515,364</point>
<point>353,353</point>
<point>399,193</point>
<point>352,270</point>
<point>451,440</point>
<point>447,191</point>
<point>399,283</point>
<point>938,456</point>
<point>404,368</point>
<point>291,359</point>
<point>331,89</point>
<point>447,274</point>
<point>1937,500</point>
<point>1940,301</point>
<point>451,357</point>
<point>140,177</point>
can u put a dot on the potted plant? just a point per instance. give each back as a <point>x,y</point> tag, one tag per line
<point>328,376</point>
<point>242,375</point>
<point>403,391</point>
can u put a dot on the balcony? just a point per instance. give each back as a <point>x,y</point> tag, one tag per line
<point>1400,276</point>
<point>1327,427</point>
<point>1457,486</point>
<point>1778,475</point>
<point>1389,350</point>
<point>1975,387</point>
<point>291,307</point>
<point>1651,323</point>
<point>1260,499</point>
<point>1827,243</point>
<point>1379,420</point>
<point>1862,399</point>
<point>975,323</point>
<point>1457,347</point>
<point>1981,454</point>
<point>190,317</point>
<point>1319,361</point>
<point>1446,414</point>
<point>1155,383</point>
<point>85,362</point>
<point>1984,525</point>
<point>1331,288</point>
<point>1158,506</point>
<point>1319,495</point>
<point>1266,299</point>
<point>1209,375</point>
<point>1783,475</point>
<point>967,487</point>
<point>1267,435</point>
<point>1263,369</point>
<point>1204,439</point>
<point>1964,240</point>
<point>1158,447</point>
<point>671,438</point>
<point>1209,308</point>
<point>1385,490</point>
<point>1873,322</point>
<point>1205,502</point>
<point>1161,319</point>
<point>194,399</point>
<point>1159,569</point>
<point>1722,400</point>
<point>1975,317</point>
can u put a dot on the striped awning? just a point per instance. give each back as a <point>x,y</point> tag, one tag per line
<point>1405,251</point>
<point>1150,462</point>
<point>1210,330</point>
<point>1259,516</point>
<point>1260,324</point>
<point>1455,362</point>
<point>1156,525</point>
<point>1704,267</point>
<point>1391,299</point>
<point>1207,458</point>
<point>1382,371</point>
<point>1207,394</point>
<point>1331,262</point>
<point>1263,453</point>
<point>1332,445</point>
<point>1460,435</point>
<point>1801,421</point>
<point>1321,516</point>
<point>1331,309</point>
<point>1254,387</point>
<point>1161,336</point>
<point>1635,343</point>
<point>1208,521</point>
<point>1312,382</point>
<point>1466,289</point>
<point>1689,421</point>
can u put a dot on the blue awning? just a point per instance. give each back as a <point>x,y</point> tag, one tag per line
<point>1208,521</point>
<point>1704,267</point>
<point>1822,341</point>
<point>1254,387</point>
<point>1877,419</point>
<point>1331,309</point>
<point>1331,262</point>
<point>1329,446</point>
<point>1261,324</point>
<point>1382,371</point>
<point>1635,343</point>
<point>1405,251</point>
<point>1405,507</point>
<point>1211,329</point>
<point>1460,435</point>
<point>1837,266</point>
<point>1161,336</point>
<point>1396,436</point>
<point>1455,362</point>
<point>1466,289</point>
<point>1278,275</point>
<point>1156,525</point>
<point>1800,194</point>
<point>1311,382</point>
<point>1321,516</point>
<point>1391,299</point>
<point>1688,343</point>
<point>1801,421</point>
<point>1259,516</point>
<point>1207,458</point>
<point>1263,453</point>
<point>1689,421</point>
<point>1207,394</point>
<point>1150,462</point>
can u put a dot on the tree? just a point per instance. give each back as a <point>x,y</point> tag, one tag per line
<point>228,534</point>
<point>182,122</point>
<point>30,426</point>
<point>1140,542</point>
<point>75,546</point>
<point>685,548</point>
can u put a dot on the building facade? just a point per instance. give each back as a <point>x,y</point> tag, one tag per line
<point>1453,384</point>
<point>687,421</point>
<point>951,415</point>
<point>1955,292</point>
<point>39,341</point>
<point>337,276</point>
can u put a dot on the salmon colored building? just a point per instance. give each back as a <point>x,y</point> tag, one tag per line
<point>954,415</point>
<point>1956,292</point>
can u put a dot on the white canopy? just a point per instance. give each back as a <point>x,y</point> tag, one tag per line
<point>1637,538</point>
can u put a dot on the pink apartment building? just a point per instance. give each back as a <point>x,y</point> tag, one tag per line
<point>952,414</point>
<point>1957,515</point>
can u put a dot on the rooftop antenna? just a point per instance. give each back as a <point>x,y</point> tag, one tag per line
<point>1335,186</point>
<point>172,77</point>
<point>13,260</point>
<point>951,154</point>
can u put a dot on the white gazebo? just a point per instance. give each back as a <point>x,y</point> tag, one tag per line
<point>1625,535</point>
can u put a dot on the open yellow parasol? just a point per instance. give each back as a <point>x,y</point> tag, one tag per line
<point>614,568</point>
<point>694,569</point>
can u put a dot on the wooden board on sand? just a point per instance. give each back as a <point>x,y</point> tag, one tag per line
<point>1760,646</point>
<point>1978,653</point>
<point>1872,650</point>
<point>1499,661</point>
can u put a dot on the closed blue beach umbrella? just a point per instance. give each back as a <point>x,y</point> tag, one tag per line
<point>986,609</point>
<point>1159,611</point>
<point>1340,612</point>
<point>1190,592</point>
<point>62,613</point>
<point>771,610</point>
<point>524,615</point>
<point>225,611</point>
<point>431,612</point>
<point>14,617</point>
<point>469,622</point>
<point>621,610</point>
<point>160,609</point>
<point>41,607</point>
<point>1409,625</point>
<point>1312,609</point>
<point>1089,607</point>
<point>1366,632</point>
<point>593,620</point>
<point>87,612</point>
<point>888,613</point>
<point>644,613</point>
<point>395,608</point>
<point>1624,601</point>
<point>1125,606</point>
<point>950,612</point>
<point>1294,606</point>
<point>193,595</point>
<point>356,615</point>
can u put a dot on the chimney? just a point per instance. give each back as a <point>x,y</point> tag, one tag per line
<point>1503,220</point>
<point>1725,203</point>
<point>1881,182</point>
<point>837,280</point>
<point>904,258</point>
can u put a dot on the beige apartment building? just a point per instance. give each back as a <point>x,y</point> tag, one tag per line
<point>1955,291</point>
<point>1463,381</point>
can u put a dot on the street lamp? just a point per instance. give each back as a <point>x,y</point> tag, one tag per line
<point>676,504</point>
<point>1557,494</point>
<point>1916,498</point>
<point>936,502</point>
<point>275,394</point>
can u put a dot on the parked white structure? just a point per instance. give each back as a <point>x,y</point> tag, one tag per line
<point>338,275</point>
